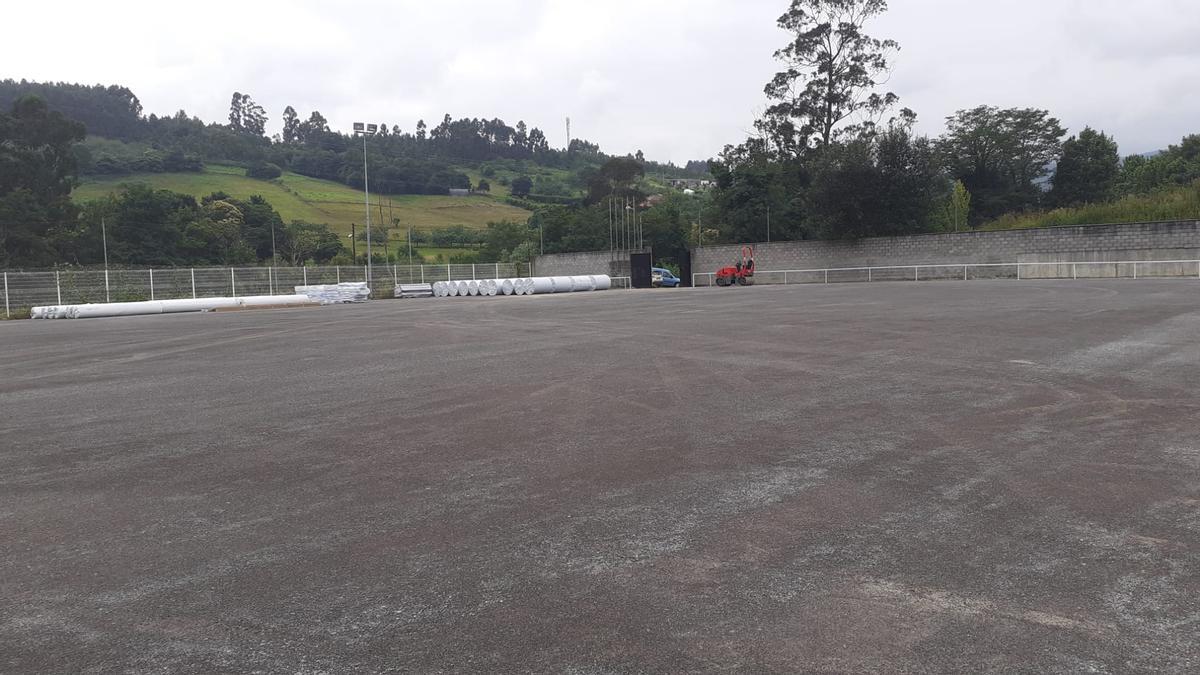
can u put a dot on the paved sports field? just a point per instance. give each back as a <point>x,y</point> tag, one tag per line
<point>936,476</point>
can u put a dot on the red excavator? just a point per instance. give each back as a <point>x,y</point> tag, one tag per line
<point>741,273</point>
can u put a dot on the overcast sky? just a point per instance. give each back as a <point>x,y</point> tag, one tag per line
<point>676,78</point>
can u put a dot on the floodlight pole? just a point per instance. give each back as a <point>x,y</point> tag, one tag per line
<point>367,202</point>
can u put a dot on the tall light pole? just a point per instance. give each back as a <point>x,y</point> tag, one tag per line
<point>365,130</point>
<point>104,239</point>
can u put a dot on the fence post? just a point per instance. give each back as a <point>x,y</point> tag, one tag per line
<point>338,270</point>
<point>1074,274</point>
<point>193,271</point>
<point>305,268</point>
<point>107,297</point>
<point>964,272</point>
<point>6,312</point>
<point>365,275</point>
<point>785,277</point>
<point>916,273</point>
<point>422,274</point>
<point>57,287</point>
<point>472,271</point>
<point>232,283</point>
<point>868,274</point>
<point>497,271</point>
<point>826,275</point>
<point>270,280</point>
<point>1018,271</point>
<point>1135,270</point>
<point>152,283</point>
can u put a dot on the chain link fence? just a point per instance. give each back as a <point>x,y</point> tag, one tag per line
<point>25,289</point>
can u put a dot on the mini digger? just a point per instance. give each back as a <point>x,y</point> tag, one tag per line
<point>741,273</point>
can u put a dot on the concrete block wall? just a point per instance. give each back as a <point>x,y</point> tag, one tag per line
<point>590,262</point>
<point>1134,241</point>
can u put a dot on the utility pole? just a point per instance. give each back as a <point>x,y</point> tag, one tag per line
<point>353,244</point>
<point>768,222</point>
<point>104,239</point>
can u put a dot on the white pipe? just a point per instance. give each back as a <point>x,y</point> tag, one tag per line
<point>603,281</point>
<point>582,283</point>
<point>540,285</point>
<point>114,309</point>
<point>463,289</point>
<point>472,287</point>
<point>489,287</point>
<point>562,284</point>
<point>506,287</point>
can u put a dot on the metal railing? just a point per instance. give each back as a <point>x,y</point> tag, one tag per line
<point>1113,269</point>
<point>25,289</point>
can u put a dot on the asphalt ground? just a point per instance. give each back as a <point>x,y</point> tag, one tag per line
<point>942,476</point>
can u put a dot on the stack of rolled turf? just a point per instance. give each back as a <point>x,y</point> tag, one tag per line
<point>330,294</point>
<point>522,286</point>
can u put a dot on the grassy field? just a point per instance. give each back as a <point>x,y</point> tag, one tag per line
<point>298,197</point>
<point>1182,203</point>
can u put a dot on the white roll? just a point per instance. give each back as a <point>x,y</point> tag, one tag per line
<point>541,285</point>
<point>582,283</point>
<point>562,284</point>
<point>487,287</point>
<point>506,287</point>
<point>602,282</point>
<point>464,289</point>
<point>472,287</point>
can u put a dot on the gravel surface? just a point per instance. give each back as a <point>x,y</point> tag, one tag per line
<point>940,476</point>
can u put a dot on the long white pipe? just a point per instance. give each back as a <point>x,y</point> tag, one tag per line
<point>113,309</point>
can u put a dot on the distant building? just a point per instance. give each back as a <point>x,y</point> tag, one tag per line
<point>691,183</point>
<point>460,192</point>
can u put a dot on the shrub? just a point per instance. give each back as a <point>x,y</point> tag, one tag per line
<point>263,171</point>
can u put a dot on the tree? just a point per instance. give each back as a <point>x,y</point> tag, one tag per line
<point>882,186</point>
<point>521,186</point>
<point>483,186</point>
<point>37,172</point>
<point>263,171</point>
<point>246,115</point>
<point>957,209</point>
<point>302,242</point>
<point>1087,171</point>
<point>421,130</point>
<point>999,154</point>
<point>291,125</point>
<point>832,69</point>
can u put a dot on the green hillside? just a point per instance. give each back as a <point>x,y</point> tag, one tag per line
<point>298,197</point>
<point>1172,203</point>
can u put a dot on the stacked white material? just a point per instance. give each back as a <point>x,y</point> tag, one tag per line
<point>523,286</point>
<point>111,309</point>
<point>329,294</point>
<point>413,291</point>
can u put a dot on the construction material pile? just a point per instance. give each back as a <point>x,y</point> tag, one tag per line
<point>413,291</point>
<point>108,309</point>
<point>522,286</point>
<point>332,294</point>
